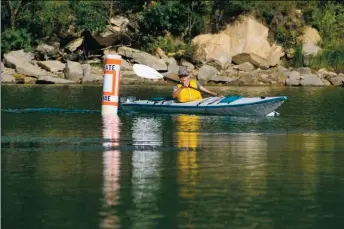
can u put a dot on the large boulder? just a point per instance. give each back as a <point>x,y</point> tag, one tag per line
<point>206,73</point>
<point>213,48</point>
<point>73,71</point>
<point>310,80</point>
<point>141,57</point>
<point>7,78</point>
<point>249,43</point>
<point>20,61</point>
<point>14,58</point>
<point>88,76</point>
<point>52,65</point>
<point>310,39</point>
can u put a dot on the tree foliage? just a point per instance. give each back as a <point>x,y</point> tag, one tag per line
<point>26,23</point>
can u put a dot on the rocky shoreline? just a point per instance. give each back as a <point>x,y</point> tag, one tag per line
<point>221,60</point>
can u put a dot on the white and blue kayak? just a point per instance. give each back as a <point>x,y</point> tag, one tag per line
<point>231,105</point>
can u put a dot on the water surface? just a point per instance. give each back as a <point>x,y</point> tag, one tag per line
<point>66,166</point>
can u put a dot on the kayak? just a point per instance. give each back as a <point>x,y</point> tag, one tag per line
<point>230,105</point>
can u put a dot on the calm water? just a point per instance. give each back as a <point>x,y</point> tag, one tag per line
<point>65,166</point>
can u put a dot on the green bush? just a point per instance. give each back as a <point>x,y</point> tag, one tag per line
<point>297,60</point>
<point>15,39</point>
<point>89,15</point>
<point>329,59</point>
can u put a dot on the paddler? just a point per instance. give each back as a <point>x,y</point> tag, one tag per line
<point>183,93</point>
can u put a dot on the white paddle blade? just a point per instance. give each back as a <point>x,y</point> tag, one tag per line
<point>146,72</point>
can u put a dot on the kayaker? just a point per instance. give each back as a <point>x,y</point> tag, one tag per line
<point>183,93</point>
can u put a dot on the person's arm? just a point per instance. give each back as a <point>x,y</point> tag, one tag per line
<point>176,91</point>
<point>206,90</point>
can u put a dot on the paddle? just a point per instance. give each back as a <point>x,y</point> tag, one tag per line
<point>150,73</point>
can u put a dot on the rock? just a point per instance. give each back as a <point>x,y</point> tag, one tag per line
<point>293,75</point>
<point>46,51</point>
<point>120,23</point>
<point>222,79</point>
<point>246,66</point>
<point>281,69</point>
<point>14,58</point>
<point>7,78</point>
<point>247,79</point>
<point>206,73</point>
<point>52,65</point>
<point>160,53</point>
<point>310,40</point>
<point>172,66</point>
<point>249,44</point>
<point>53,80</point>
<point>231,73</point>
<point>304,71</point>
<point>30,70</point>
<point>213,49</point>
<point>187,64</point>
<point>323,73</point>
<point>2,67</point>
<point>311,80</point>
<point>311,35</point>
<point>73,71</point>
<point>310,49</point>
<point>292,82</point>
<point>337,80</point>
<point>125,65</point>
<point>74,44</point>
<point>142,58</point>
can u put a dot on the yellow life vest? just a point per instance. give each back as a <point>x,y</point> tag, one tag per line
<point>189,94</point>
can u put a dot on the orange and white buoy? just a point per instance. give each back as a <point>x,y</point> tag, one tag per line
<point>110,96</point>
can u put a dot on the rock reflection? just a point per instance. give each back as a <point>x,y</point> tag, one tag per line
<point>111,171</point>
<point>146,167</point>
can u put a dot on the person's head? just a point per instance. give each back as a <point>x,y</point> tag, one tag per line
<point>183,74</point>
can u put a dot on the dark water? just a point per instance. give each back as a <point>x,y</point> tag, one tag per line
<point>64,166</point>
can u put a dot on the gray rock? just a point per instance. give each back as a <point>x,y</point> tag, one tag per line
<point>7,78</point>
<point>30,70</point>
<point>172,66</point>
<point>14,58</point>
<point>52,65</point>
<point>206,73</point>
<point>150,60</point>
<point>246,66</point>
<point>293,75</point>
<point>187,64</point>
<point>311,80</point>
<point>221,62</point>
<point>90,77</point>
<point>73,71</point>
<point>292,82</point>
<point>310,49</point>
<point>222,79</point>
<point>125,65</point>
<point>337,80</point>
<point>304,71</point>
<point>53,80</point>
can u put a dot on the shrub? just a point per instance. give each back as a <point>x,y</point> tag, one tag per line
<point>15,39</point>
<point>297,60</point>
<point>330,59</point>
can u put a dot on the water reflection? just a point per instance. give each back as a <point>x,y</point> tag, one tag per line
<point>187,134</point>
<point>146,169</point>
<point>111,171</point>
